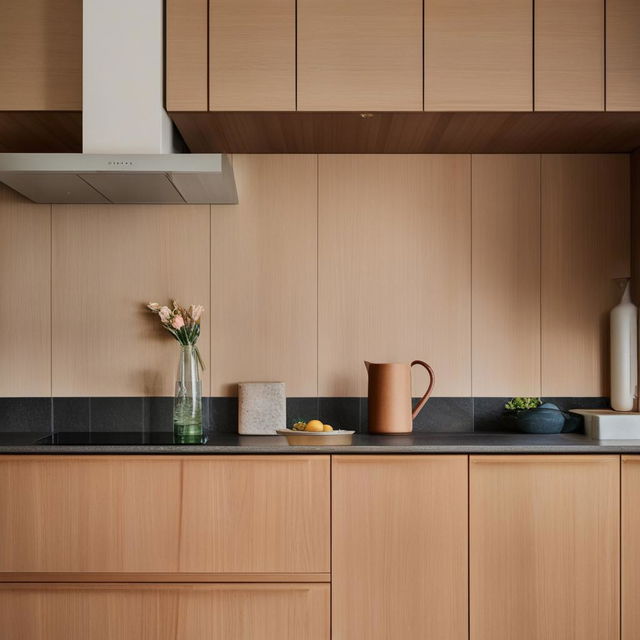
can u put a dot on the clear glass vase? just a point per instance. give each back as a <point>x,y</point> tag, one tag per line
<point>187,403</point>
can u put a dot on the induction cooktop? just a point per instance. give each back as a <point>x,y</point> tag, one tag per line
<point>119,438</point>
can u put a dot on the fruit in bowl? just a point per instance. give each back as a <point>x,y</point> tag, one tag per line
<point>312,426</point>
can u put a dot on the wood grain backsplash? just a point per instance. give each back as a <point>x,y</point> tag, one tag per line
<point>496,269</point>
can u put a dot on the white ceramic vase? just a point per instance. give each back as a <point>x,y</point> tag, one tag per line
<point>624,352</point>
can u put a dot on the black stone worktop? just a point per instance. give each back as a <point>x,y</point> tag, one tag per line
<point>162,443</point>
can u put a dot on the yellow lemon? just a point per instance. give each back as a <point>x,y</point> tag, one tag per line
<point>314,425</point>
<point>327,427</point>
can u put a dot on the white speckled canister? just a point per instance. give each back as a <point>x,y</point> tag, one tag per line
<point>262,408</point>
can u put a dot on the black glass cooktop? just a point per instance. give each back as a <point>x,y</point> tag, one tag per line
<point>119,438</point>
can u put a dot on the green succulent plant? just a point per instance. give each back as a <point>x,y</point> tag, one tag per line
<point>522,404</point>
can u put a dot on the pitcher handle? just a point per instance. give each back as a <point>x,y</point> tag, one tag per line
<point>425,397</point>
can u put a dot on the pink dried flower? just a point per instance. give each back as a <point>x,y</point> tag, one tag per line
<point>177,322</point>
<point>165,314</point>
<point>196,311</point>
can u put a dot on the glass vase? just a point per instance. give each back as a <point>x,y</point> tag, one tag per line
<point>187,403</point>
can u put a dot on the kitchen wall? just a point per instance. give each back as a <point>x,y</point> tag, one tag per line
<point>496,269</point>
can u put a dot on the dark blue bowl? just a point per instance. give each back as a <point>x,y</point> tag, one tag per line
<point>540,420</point>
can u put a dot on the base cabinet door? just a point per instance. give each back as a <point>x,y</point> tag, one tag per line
<point>544,537</point>
<point>630,552</point>
<point>164,612</point>
<point>399,542</point>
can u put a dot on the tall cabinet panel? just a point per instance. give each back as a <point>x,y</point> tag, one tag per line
<point>478,55</point>
<point>544,547</point>
<point>630,547</point>
<point>623,55</point>
<point>252,55</point>
<point>399,547</point>
<point>569,55</point>
<point>360,55</point>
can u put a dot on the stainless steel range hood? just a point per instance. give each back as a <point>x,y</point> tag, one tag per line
<point>130,147</point>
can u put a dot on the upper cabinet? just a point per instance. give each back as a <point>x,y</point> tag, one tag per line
<point>623,55</point>
<point>41,55</point>
<point>569,55</point>
<point>478,55</point>
<point>360,55</point>
<point>252,55</point>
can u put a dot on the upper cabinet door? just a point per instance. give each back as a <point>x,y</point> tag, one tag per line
<point>41,55</point>
<point>478,55</point>
<point>252,55</point>
<point>360,55</point>
<point>569,55</point>
<point>623,55</point>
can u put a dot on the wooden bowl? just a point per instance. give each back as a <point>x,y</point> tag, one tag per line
<point>317,438</point>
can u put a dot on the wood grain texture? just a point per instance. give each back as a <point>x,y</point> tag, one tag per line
<point>263,277</point>
<point>165,514</point>
<point>108,262</point>
<point>41,55</point>
<point>505,271</point>
<point>544,546</point>
<point>165,612</point>
<point>635,225</point>
<point>252,49</point>
<point>623,55</point>
<point>630,558</point>
<point>399,547</point>
<point>186,55</point>
<point>394,274</point>
<point>569,55</point>
<point>359,55</point>
<point>157,577</point>
<point>585,245</point>
<point>40,132</point>
<point>25,287</point>
<point>478,55</point>
<point>268,132</point>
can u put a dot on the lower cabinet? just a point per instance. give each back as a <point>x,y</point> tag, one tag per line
<point>399,538</point>
<point>630,547</point>
<point>544,537</point>
<point>164,612</point>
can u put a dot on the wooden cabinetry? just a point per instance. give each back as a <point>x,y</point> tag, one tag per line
<point>399,547</point>
<point>569,55</point>
<point>478,55</point>
<point>623,55</point>
<point>41,55</point>
<point>164,612</point>
<point>544,547</point>
<point>164,515</point>
<point>630,552</point>
<point>357,55</point>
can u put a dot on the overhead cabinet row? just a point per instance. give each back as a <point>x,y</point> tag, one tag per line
<point>403,55</point>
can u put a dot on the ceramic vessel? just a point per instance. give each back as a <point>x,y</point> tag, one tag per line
<point>624,350</point>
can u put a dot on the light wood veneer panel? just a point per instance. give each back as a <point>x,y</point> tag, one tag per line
<point>585,244</point>
<point>359,55</point>
<point>630,559</point>
<point>506,275</point>
<point>252,55</point>
<point>187,64</point>
<point>399,547</point>
<point>623,55</point>
<point>544,544</point>
<point>163,515</point>
<point>569,55</point>
<point>478,55</point>
<point>263,276</point>
<point>108,261</point>
<point>41,55</point>
<point>165,612</point>
<point>25,288</point>
<point>394,269</point>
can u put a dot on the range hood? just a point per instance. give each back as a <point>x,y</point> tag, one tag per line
<point>131,150</point>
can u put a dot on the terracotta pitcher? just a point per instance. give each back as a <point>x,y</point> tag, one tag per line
<point>390,409</point>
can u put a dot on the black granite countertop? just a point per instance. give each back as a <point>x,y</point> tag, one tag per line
<point>161,443</point>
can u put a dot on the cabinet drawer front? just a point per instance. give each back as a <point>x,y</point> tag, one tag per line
<point>165,612</point>
<point>223,514</point>
<point>399,547</point>
<point>544,547</point>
